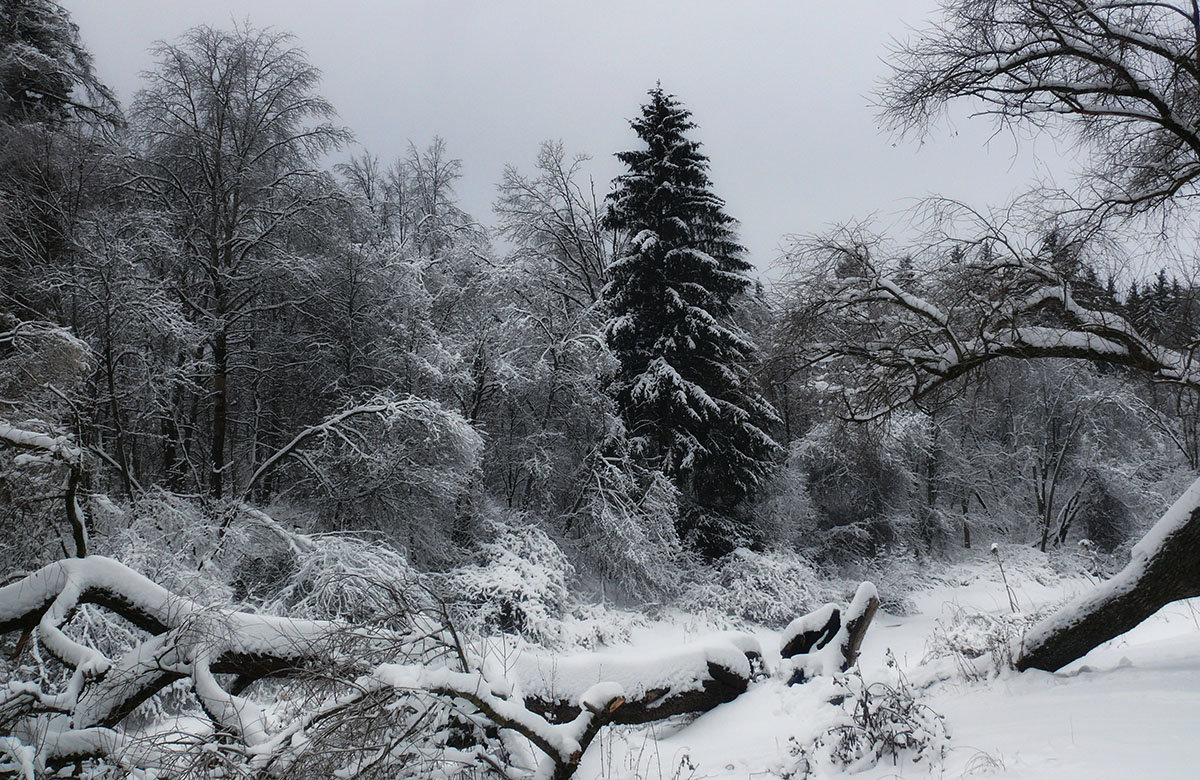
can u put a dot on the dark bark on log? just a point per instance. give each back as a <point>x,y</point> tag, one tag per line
<point>856,628</point>
<point>108,599</point>
<point>807,641</point>
<point>722,685</point>
<point>843,639</point>
<point>1167,572</point>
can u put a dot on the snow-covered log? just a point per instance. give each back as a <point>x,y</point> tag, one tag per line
<point>827,640</point>
<point>48,725</point>
<point>1164,567</point>
<point>693,678</point>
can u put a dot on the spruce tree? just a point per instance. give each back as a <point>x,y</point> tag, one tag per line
<point>683,385</point>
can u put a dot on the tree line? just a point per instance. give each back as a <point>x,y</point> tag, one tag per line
<point>192,293</point>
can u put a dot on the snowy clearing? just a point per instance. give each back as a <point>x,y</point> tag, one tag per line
<point>1129,709</point>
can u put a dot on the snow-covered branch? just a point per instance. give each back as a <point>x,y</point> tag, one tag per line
<point>325,427</point>
<point>187,640</point>
<point>558,704</point>
<point>898,336</point>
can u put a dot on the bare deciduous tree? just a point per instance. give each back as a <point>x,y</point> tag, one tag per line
<point>232,129</point>
<point>1123,76</point>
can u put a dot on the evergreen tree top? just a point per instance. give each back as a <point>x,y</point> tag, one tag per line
<point>666,195</point>
<point>46,74</point>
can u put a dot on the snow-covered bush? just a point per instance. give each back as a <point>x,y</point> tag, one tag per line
<point>341,577</point>
<point>964,637</point>
<point>188,547</point>
<point>625,527</point>
<point>35,357</point>
<point>401,467</point>
<point>882,721</point>
<point>768,588</point>
<point>592,626</point>
<point>43,368</point>
<point>862,483</point>
<point>519,585</point>
<point>897,576</point>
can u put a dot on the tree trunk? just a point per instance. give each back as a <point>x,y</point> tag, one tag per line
<point>720,686</point>
<point>1163,569</point>
<point>220,409</point>
<point>76,517</point>
<point>110,368</point>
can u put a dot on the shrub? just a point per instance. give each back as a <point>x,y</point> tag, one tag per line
<point>768,588</point>
<point>882,720</point>
<point>518,587</point>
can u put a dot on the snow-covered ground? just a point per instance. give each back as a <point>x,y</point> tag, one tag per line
<point>1130,709</point>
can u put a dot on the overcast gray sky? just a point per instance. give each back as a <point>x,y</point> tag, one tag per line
<point>781,91</point>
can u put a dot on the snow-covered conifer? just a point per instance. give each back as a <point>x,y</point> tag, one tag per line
<point>683,385</point>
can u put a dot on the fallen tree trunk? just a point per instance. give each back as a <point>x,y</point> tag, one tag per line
<point>1164,567</point>
<point>188,640</point>
<point>48,722</point>
<point>690,679</point>
<point>718,671</point>
<point>828,640</point>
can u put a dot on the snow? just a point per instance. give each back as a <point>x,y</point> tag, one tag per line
<point>828,658</point>
<point>674,669</point>
<point>813,621</point>
<point>1050,338</point>
<point>600,695</point>
<point>562,739</point>
<point>913,302</point>
<point>1129,709</point>
<point>197,637</point>
<point>1174,519</point>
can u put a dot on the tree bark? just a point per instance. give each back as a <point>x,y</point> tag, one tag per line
<point>220,409</point>
<point>1165,567</point>
<point>75,514</point>
<point>722,685</point>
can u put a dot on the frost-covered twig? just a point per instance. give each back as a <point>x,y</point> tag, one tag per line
<point>328,425</point>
